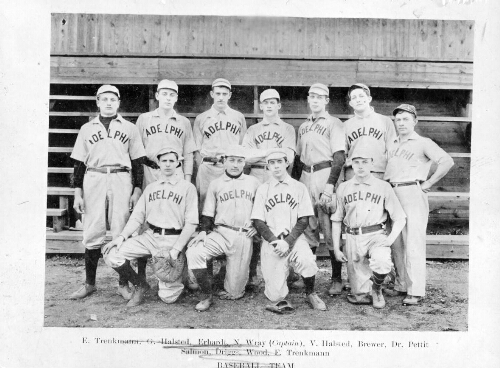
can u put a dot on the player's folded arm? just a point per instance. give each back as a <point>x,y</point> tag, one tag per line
<point>297,230</point>
<point>264,230</point>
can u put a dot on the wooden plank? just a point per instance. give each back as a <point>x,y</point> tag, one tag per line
<point>64,131</point>
<point>262,37</point>
<point>249,72</point>
<point>60,149</point>
<point>89,113</point>
<point>447,251</point>
<point>64,191</point>
<point>79,98</point>
<point>56,211</point>
<point>60,170</point>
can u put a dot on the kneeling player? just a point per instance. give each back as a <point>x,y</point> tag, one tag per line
<point>280,214</point>
<point>228,205</point>
<point>170,207</point>
<point>363,204</point>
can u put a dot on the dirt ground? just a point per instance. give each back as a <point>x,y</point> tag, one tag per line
<point>444,308</point>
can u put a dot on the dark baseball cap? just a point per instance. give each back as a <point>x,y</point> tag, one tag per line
<point>357,86</point>
<point>405,107</point>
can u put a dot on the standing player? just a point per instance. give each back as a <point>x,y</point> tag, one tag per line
<point>107,148</point>
<point>215,130</point>
<point>409,161</point>
<point>162,128</point>
<point>271,132</point>
<point>367,129</point>
<point>170,208</point>
<point>226,220</point>
<point>363,204</point>
<point>280,214</point>
<point>321,147</point>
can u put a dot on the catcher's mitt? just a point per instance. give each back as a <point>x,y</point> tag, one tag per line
<point>167,269</point>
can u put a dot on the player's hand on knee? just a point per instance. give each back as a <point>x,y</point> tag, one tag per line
<point>340,256</point>
<point>117,242</point>
<point>197,239</point>
<point>251,232</point>
<point>281,247</point>
<point>78,205</point>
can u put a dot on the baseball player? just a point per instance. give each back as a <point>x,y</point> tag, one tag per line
<point>367,129</point>
<point>163,127</point>
<point>321,147</point>
<point>170,208</point>
<point>271,132</point>
<point>409,160</point>
<point>226,220</point>
<point>215,130</point>
<point>363,204</point>
<point>280,214</point>
<point>106,150</point>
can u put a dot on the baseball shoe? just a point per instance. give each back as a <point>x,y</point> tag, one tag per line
<point>335,287</point>
<point>281,307</point>
<point>203,305</point>
<point>347,286</point>
<point>393,292</point>
<point>125,292</point>
<point>412,300</point>
<point>224,295</point>
<point>138,295</point>
<point>84,291</point>
<point>359,300</point>
<point>316,302</point>
<point>377,297</point>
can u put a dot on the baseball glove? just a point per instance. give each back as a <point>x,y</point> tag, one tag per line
<point>168,269</point>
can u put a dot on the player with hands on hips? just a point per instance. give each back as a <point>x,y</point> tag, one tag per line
<point>280,214</point>
<point>321,147</point>
<point>409,160</point>
<point>363,205</point>
<point>170,208</point>
<point>215,130</point>
<point>226,228</point>
<point>108,172</point>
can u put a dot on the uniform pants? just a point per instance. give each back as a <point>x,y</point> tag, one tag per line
<point>410,247</point>
<point>98,189</point>
<point>238,252</point>
<point>275,269</point>
<point>206,173</point>
<point>149,243</point>
<point>152,175</point>
<point>365,256</point>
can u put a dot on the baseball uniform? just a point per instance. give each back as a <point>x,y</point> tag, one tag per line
<point>408,165</point>
<point>229,201</point>
<point>362,205</point>
<point>279,205</point>
<point>158,131</point>
<point>167,205</point>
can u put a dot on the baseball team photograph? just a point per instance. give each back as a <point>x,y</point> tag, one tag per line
<point>273,185</point>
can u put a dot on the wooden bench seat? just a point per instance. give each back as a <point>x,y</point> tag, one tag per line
<point>58,218</point>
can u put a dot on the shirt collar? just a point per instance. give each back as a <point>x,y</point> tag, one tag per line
<point>227,178</point>
<point>414,135</point>
<point>159,114</point>
<point>267,122</point>
<point>368,181</point>
<point>323,115</point>
<point>372,110</point>
<point>274,182</point>
<point>214,112</point>
<point>174,179</point>
<point>119,119</point>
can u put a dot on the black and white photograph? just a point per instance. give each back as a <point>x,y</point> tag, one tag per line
<point>275,184</point>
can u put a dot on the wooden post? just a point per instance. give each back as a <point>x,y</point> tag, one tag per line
<point>152,99</point>
<point>256,109</point>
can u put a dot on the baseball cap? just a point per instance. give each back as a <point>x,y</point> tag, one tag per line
<point>319,89</point>
<point>168,84</point>
<point>221,82</point>
<point>405,107</point>
<point>235,150</point>
<point>275,153</point>
<point>359,85</point>
<point>166,150</point>
<point>269,93</point>
<point>362,152</point>
<point>108,88</point>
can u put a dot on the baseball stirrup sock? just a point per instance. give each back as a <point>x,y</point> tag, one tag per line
<point>141,267</point>
<point>309,284</point>
<point>254,261</point>
<point>91,261</point>
<point>204,279</point>
<point>336,266</point>
<point>126,272</point>
<point>378,279</point>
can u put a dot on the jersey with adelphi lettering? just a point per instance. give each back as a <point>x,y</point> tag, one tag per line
<point>168,204</point>
<point>280,203</point>
<point>230,200</point>
<point>320,138</point>
<point>159,131</point>
<point>214,131</point>
<point>366,204</point>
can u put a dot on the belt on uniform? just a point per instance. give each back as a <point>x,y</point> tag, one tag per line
<point>108,170</point>
<point>258,166</point>
<point>395,185</point>
<point>320,166</point>
<point>233,227</point>
<point>162,231</point>
<point>212,160</point>
<point>364,230</point>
